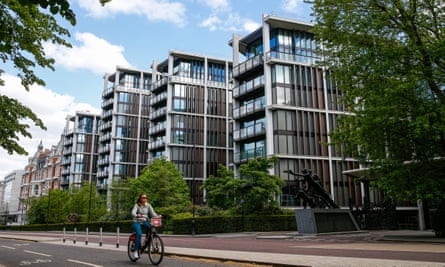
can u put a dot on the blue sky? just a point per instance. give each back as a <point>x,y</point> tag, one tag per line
<point>129,33</point>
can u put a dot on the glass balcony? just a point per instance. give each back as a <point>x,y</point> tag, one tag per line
<point>248,87</point>
<point>297,57</point>
<point>107,91</point>
<point>248,65</point>
<point>244,156</point>
<point>156,144</point>
<point>159,84</point>
<point>248,109</point>
<point>157,128</point>
<point>158,113</point>
<point>107,103</point>
<point>249,132</point>
<point>186,80</point>
<point>158,98</point>
<point>105,125</point>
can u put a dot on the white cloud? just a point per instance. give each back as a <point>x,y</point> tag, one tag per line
<point>94,54</point>
<point>216,4</point>
<point>250,25</point>
<point>233,23</point>
<point>49,106</point>
<point>212,23</point>
<point>296,7</point>
<point>153,10</point>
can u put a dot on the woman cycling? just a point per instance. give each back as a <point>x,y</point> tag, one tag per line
<point>141,212</point>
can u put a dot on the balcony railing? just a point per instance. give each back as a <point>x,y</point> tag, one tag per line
<point>248,87</point>
<point>248,65</point>
<point>156,144</point>
<point>158,98</point>
<point>105,125</point>
<point>107,91</point>
<point>248,109</point>
<point>157,128</point>
<point>248,132</point>
<point>158,113</point>
<point>271,55</point>
<point>107,113</point>
<point>107,103</point>
<point>158,84</point>
<point>187,80</point>
<point>259,152</point>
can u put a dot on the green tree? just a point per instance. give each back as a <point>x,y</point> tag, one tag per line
<point>388,60</point>
<point>37,210</point>
<point>255,192</point>
<point>222,190</point>
<point>25,26</point>
<point>90,207</point>
<point>165,187</point>
<point>259,188</point>
<point>57,200</point>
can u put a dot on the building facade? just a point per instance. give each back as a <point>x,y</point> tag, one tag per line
<point>40,175</point>
<point>123,131</point>
<point>80,145</point>
<point>190,114</point>
<point>286,106</point>
<point>10,212</point>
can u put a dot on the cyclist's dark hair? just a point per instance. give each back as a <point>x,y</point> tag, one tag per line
<point>139,201</point>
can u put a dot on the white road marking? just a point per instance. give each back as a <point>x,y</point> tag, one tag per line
<point>37,253</point>
<point>32,262</point>
<point>85,263</point>
<point>8,247</point>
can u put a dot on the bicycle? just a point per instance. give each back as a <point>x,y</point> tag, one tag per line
<point>151,244</point>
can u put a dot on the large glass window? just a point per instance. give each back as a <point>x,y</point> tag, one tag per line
<point>178,136</point>
<point>85,124</point>
<point>216,72</point>
<point>81,138</point>
<point>179,104</point>
<point>188,68</point>
<point>129,80</point>
<point>255,48</point>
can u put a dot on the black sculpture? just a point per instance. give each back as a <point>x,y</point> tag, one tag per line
<point>311,190</point>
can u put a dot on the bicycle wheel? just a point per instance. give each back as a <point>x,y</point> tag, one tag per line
<point>130,249</point>
<point>156,249</point>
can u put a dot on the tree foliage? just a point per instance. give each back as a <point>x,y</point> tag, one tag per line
<point>62,203</point>
<point>25,26</point>
<point>388,60</point>
<point>86,203</point>
<point>13,123</point>
<point>165,187</point>
<point>222,190</point>
<point>255,192</point>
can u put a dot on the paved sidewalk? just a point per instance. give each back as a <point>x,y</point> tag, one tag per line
<point>417,241</point>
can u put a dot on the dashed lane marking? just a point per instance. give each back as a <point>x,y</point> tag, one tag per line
<point>84,263</point>
<point>37,253</point>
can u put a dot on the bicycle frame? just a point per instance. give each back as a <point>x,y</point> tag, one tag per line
<point>152,244</point>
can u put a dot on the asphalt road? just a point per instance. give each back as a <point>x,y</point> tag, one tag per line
<point>370,245</point>
<point>24,253</point>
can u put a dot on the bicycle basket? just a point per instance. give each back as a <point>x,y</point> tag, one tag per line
<point>156,222</point>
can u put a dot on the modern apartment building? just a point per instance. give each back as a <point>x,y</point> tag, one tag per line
<point>41,174</point>
<point>123,131</point>
<point>285,106</point>
<point>80,144</point>
<point>190,114</point>
<point>10,212</point>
